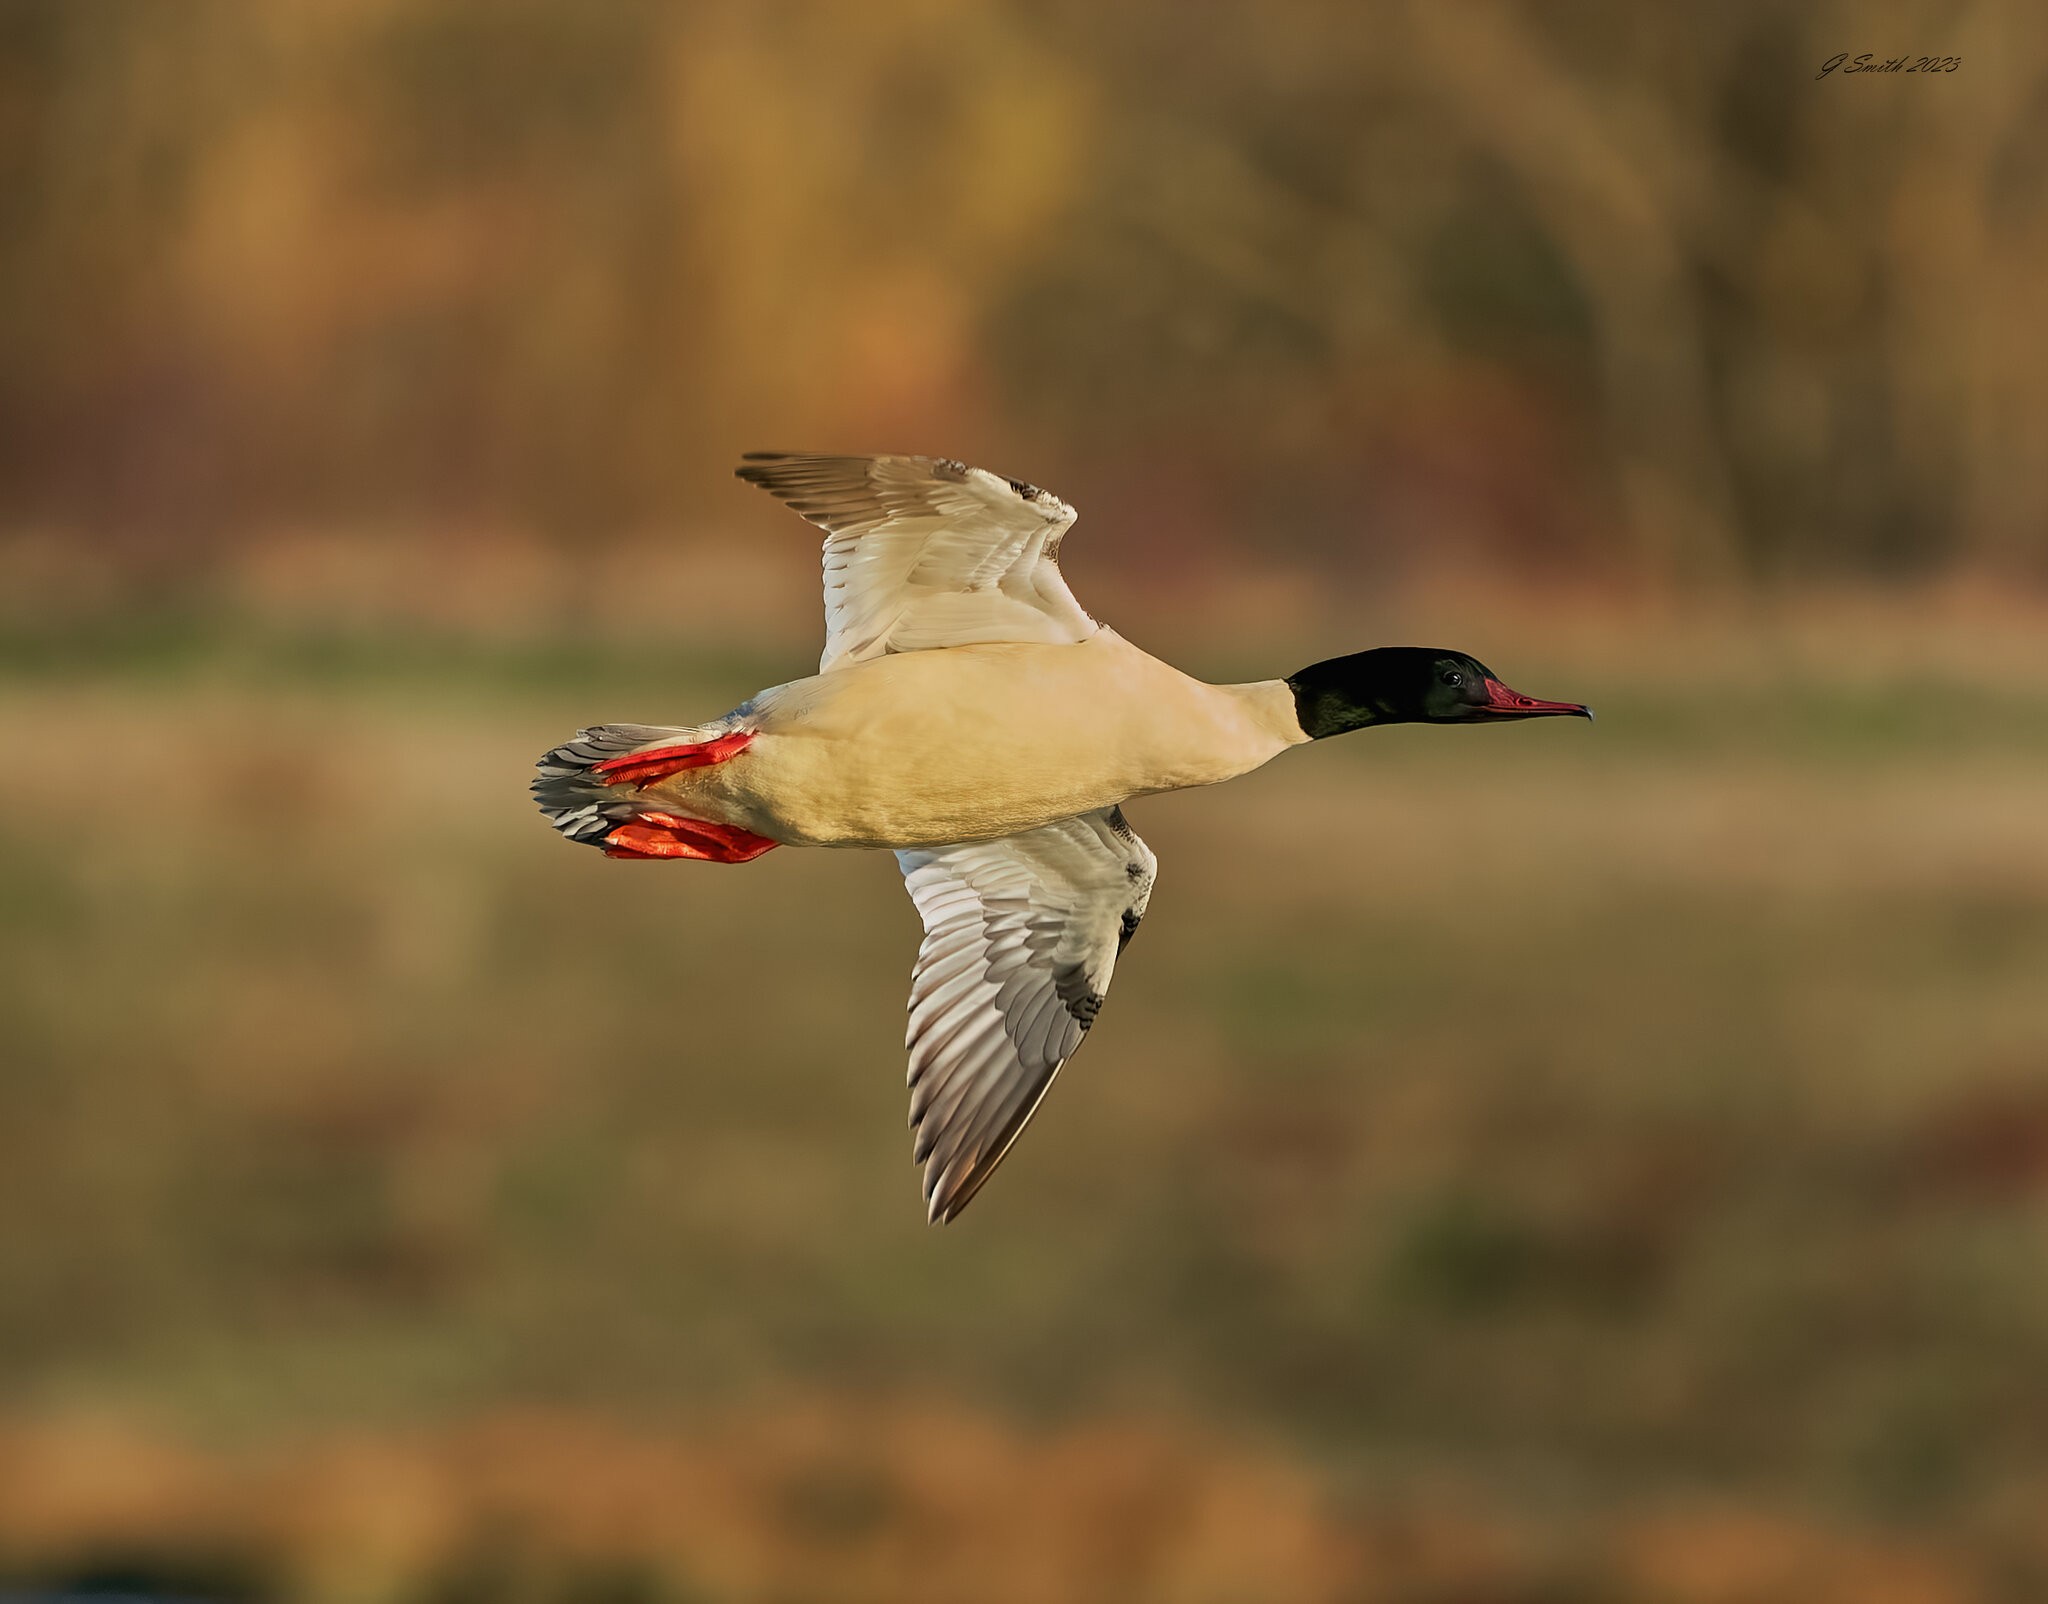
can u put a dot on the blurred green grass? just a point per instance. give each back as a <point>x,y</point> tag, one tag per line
<point>1595,1114</point>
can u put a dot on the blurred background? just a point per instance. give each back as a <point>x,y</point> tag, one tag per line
<point>1540,1166</point>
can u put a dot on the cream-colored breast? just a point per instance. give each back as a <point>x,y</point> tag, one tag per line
<point>975,742</point>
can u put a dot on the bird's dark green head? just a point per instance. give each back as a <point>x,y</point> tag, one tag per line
<point>1409,685</point>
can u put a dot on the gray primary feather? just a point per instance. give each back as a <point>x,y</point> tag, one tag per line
<point>1021,938</point>
<point>925,552</point>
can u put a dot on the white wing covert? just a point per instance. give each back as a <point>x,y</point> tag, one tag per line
<point>925,552</point>
<point>1021,938</point>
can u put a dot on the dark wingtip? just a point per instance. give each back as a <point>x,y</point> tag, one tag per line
<point>942,1203</point>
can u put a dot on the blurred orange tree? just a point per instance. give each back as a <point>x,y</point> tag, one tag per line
<point>1617,285</point>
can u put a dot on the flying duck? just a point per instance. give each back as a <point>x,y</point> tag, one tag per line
<point>969,716</point>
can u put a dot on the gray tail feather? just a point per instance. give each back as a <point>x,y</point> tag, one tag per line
<point>575,799</point>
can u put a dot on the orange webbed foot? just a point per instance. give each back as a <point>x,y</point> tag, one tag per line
<point>667,835</point>
<point>642,769</point>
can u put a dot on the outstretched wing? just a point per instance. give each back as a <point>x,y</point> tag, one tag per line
<point>1021,936</point>
<point>925,552</point>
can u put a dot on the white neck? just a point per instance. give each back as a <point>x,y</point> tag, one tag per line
<point>1268,705</point>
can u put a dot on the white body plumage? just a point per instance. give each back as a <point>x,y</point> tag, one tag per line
<point>978,742</point>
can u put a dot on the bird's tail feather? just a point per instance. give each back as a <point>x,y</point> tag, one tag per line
<point>591,786</point>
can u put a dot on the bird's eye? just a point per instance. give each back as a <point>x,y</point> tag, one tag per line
<point>1453,677</point>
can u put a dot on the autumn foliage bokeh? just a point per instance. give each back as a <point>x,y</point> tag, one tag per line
<point>1551,1165</point>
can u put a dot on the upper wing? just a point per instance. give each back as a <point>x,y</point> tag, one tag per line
<point>1020,938</point>
<point>926,552</point>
